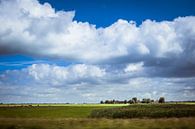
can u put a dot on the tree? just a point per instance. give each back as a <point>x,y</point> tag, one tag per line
<point>134,99</point>
<point>107,102</point>
<point>130,101</point>
<point>161,100</point>
<point>101,102</point>
<point>145,100</point>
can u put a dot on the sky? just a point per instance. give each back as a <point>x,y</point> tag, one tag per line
<point>86,51</point>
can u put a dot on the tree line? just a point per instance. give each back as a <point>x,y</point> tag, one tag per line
<point>133,101</point>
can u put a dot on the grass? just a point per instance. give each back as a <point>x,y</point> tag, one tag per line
<point>146,110</point>
<point>71,116</point>
<point>171,123</point>
<point>47,111</point>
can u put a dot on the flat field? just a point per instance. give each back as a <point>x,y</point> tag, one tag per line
<point>71,116</point>
<point>70,111</point>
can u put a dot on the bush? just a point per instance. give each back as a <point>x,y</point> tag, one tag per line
<point>150,111</point>
<point>161,100</point>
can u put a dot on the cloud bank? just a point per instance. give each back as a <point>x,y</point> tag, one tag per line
<point>88,83</point>
<point>37,29</point>
<point>148,60</point>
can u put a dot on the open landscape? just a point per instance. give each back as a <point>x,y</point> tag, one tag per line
<point>98,116</point>
<point>97,64</point>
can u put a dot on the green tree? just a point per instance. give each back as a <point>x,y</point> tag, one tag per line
<point>145,100</point>
<point>134,99</point>
<point>161,100</point>
<point>130,101</point>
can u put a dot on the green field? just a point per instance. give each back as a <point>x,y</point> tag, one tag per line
<point>48,111</point>
<point>71,116</point>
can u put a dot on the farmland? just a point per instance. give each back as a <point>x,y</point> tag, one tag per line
<point>147,110</point>
<point>78,116</point>
<point>65,111</point>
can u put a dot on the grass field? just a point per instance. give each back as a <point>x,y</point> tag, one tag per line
<point>170,123</point>
<point>48,111</point>
<point>77,117</point>
<point>51,110</point>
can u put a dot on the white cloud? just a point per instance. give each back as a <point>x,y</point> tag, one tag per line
<point>37,29</point>
<point>86,83</point>
<point>134,67</point>
<point>53,75</point>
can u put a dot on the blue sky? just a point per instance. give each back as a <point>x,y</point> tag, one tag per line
<point>73,51</point>
<point>102,13</point>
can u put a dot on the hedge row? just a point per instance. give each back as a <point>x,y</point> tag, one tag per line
<point>149,111</point>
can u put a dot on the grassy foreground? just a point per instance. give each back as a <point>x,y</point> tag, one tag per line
<point>77,117</point>
<point>170,123</point>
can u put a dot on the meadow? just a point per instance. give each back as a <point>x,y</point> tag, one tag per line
<point>78,116</point>
<point>53,111</point>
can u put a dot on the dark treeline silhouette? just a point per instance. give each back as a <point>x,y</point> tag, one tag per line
<point>133,101</point>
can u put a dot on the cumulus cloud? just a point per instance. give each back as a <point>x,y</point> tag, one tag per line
<point>87,83</point>
<point>45,74</point>
<point>134,67</point>
<point>37,29</point>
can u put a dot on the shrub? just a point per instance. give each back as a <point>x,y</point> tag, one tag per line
<point>161,100</point>
<point>150,111</point>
